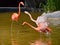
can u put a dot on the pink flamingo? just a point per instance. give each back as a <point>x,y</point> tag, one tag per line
<point>42,25</point>
<point>15,16</point>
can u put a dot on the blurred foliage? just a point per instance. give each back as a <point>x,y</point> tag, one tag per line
<point>44,5</point>
<point>51,5</point>
<point>57,4</point>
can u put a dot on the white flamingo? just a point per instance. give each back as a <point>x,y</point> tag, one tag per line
<point>15,16</point>
<point>41,22</point>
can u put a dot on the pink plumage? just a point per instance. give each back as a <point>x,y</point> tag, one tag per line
<point>14,17</point>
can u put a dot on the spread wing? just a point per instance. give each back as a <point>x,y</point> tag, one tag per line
<point>53,18</point>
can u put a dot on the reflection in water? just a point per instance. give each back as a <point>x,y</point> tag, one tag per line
<point>42,42</point>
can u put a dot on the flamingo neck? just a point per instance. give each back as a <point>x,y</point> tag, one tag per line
<point>19,10</point>
<point>32,18</point>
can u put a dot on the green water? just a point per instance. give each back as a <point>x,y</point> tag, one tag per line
<point>24,35</point>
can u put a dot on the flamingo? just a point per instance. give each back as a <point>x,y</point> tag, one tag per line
<point>15,16</point>
<point>41,23</point>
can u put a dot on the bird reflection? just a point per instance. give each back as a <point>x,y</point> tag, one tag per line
<point>42,42</point>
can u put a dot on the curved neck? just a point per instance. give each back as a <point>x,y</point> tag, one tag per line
<point>31,18</point>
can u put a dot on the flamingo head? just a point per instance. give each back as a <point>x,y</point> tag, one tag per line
<point>22,3</point>
<point>26,12</point>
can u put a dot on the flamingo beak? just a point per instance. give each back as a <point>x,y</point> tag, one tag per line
<point>22,3</point>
